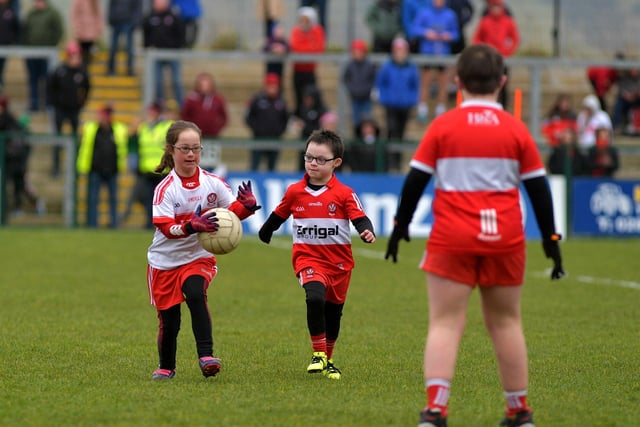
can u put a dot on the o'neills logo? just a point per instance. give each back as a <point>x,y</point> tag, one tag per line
<point>316,232</point>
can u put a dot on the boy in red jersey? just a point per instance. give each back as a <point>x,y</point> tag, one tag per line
<point>480,155</point>
<point>322,260</point>
<point>179,269</point>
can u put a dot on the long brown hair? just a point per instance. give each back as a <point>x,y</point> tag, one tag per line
<point>174,131</point>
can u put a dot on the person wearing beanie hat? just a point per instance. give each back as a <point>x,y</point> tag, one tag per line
<point>72,48</point>
<point>107,110</point>
<point>359,76</point>
<point>307,37</point>
<point>500,31</point>
<point>102,156</point>
<point>590,118</point>
<point>320,11</point>
<point>272,79</point>
<point>267,116</point>
<point>358,45</point>
<point>68,88</point>
<point>329,121</point>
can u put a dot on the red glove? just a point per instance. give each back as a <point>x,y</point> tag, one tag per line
<point>246,197</point>
<point>207,222</point>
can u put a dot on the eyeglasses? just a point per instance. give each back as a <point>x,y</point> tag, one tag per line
<point>319,160</point>
<point>185,149</point>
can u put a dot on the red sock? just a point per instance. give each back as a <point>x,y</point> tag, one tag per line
<point>438,394</point>
<point>319,342</point>
<point>330,345</point>
<point>516,401</point>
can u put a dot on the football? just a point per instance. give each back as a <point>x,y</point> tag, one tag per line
<point>228,236</point>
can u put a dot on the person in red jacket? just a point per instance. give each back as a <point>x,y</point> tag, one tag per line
<point>205,107</point>
<point>603,78</point>
<point>306,37</point>
<point>561,116</point>
<point>499,30</point>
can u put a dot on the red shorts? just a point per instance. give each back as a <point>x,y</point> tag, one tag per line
<point>337,284</point>
<point>472,270</point>
<point>165,286</point>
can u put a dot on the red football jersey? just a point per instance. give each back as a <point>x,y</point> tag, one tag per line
<point>478,155</point>
<point>321,229</point>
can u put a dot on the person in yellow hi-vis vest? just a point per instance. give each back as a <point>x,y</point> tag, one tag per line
<point>146,147</point>
<point>102,155</point>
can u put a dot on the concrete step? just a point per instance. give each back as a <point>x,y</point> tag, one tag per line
<point>115,94</point>
<point>120,105</point>
<point>114,81</point>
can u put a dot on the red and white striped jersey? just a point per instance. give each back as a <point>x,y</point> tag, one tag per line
<point>175,200</point>
<point>321,229</point>
<point>478,154</point>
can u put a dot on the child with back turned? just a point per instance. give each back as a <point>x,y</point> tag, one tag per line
<point>480,155</point>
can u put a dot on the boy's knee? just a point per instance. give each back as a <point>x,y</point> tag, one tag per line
<point>315,292</point>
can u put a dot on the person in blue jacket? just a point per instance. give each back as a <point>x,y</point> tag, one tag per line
<point>397,85</point>
<point>436,28</point>
<point>410,11</point>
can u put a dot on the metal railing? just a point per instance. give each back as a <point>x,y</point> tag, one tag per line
<point>535,67</point>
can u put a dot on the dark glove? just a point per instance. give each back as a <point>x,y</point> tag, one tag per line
<point>207,222</point>
<point>265,233</point>
<point>552,250</point>
<point>397,234</point>
<point>246,197</point>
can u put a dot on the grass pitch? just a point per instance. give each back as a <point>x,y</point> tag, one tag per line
<point>78,339</point>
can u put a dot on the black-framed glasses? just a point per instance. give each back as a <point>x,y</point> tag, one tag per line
<point>185,149</point>
<point>319,160</point>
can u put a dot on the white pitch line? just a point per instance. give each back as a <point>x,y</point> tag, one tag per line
<point>369,253</point>
<point>597,280</point>
<point>606,281</point>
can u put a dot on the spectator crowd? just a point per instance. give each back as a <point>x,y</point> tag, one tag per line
<point>403,89</point>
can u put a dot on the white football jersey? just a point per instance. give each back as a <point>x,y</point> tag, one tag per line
<point>176,200</point>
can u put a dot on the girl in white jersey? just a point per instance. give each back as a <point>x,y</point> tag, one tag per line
<point>179,268</point>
